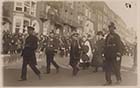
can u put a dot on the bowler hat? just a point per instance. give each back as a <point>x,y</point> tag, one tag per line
<point>100,33</point>
<point>30,28</point>
<point>52,32</point>
<point>75,34</point>
<point>112,25</point>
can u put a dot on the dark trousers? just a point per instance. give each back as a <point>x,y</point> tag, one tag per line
<point>50,59</point>
<point>119,63</point>
<point>74,66</point>
<point>112,65</point>
<point>24,69</point>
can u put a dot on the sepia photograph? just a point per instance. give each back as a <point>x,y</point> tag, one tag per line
<point>69,43</point>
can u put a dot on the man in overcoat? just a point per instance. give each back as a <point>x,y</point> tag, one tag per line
<point>28,54</point>
<point>112,53</point>
<point>74,53</point>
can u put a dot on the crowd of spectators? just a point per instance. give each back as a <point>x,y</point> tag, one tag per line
<point>12,43</point>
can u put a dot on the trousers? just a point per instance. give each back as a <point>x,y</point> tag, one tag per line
<point>111,65</point>
<point>49,60</point>
<point>24,69</point>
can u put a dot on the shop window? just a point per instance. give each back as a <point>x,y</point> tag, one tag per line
<point>20,24</point>
<point>17,24</point>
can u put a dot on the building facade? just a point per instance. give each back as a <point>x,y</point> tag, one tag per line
<point>21,15</point>
<point>62,17</point>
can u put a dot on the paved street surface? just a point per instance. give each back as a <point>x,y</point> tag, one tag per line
<point>64,77</point>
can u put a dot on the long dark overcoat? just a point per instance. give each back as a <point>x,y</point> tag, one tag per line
<point>74,52</point>
<point>29,49</point>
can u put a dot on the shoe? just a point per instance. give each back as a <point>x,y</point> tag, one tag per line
<point>107,84</point>
<point>118,82</point>
<point>22,80</point>
<point>75,72</point>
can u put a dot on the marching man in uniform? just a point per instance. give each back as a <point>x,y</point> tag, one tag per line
<point>50,52</point>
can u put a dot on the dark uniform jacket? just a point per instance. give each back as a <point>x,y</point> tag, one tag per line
<point>113,45</point>
<point>28,52</point>
<point>98,54</point>
<point>99,47</point>
<point>50,46</point>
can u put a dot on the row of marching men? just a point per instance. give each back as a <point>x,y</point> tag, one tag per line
<point>106,53</point>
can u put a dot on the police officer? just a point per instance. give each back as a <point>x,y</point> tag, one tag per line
<point>28,54</point>
<point>74,53</point>
<point>98,58</point>
<point>50,52</point>
<point>112,52</point>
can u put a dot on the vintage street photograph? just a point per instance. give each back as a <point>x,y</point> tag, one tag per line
<point>69,43</point>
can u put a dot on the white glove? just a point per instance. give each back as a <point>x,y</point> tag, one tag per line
<point>103,55</point>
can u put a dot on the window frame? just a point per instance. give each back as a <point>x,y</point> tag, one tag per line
<point>28,7</point>
<point>21,18</point>
<point>27,19</point>
<point>34,9</point>
<point>14,23</point>
<point>15,6</point>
